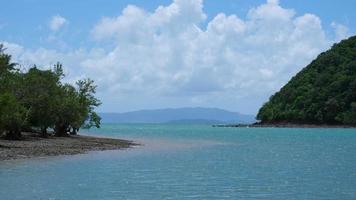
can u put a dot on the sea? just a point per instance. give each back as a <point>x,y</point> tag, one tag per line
<point>187,161</point>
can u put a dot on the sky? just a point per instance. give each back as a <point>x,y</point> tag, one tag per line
<point>229,54</point>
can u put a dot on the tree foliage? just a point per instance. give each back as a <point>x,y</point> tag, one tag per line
<point>324,92</point>
<point>38,100</point>
<point>12,116</point>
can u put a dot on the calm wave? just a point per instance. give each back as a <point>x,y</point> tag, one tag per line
<point>195,162</point>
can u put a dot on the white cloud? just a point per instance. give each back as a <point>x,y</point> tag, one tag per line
<point>341,31</point>
<point>167,58</point>
<point>57,22</point>
<point>13,49</point>
<point>232,57</point>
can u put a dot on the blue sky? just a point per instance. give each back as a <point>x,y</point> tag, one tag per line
<point>230,54</point>
<point>24,21</point>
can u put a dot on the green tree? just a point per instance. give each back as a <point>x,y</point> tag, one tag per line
<point>87,102</point>
<point>349,117</point>
<point>40,89</point>
<point>75,108</point>
<point>37,99</point>
<point>6,65</point>
<point>67,108</point>
<point>12,116</point>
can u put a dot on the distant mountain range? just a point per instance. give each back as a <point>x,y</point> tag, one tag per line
<point>196,115</point>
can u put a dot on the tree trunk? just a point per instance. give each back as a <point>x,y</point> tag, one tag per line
<point>61,131</point>
<point>44,132</point>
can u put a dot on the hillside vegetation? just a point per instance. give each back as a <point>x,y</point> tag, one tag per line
<point>324,92</point>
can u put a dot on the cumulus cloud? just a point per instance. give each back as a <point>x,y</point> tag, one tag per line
<point>57,22</point>
<point>166,52</point>
<point>341,31</point>
<point>168,57</point>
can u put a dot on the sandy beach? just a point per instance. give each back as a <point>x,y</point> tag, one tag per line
<point>34,146</point>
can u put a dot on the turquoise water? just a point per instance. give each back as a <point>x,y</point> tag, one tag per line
<point>195,162</point>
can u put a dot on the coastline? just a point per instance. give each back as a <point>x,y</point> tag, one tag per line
<point>282,125</point>
<point>33,146</point>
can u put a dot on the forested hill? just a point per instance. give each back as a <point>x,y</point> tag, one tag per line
<point>324,92</point>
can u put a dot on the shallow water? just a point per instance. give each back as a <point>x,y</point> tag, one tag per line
<point>195,162</point>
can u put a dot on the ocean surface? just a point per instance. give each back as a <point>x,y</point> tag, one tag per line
<point>195,162</point>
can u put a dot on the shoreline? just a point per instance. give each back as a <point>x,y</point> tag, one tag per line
<point>32,146</point>
<point>287,125</point>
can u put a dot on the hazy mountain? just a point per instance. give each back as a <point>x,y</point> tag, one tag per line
<point>178,115</point>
